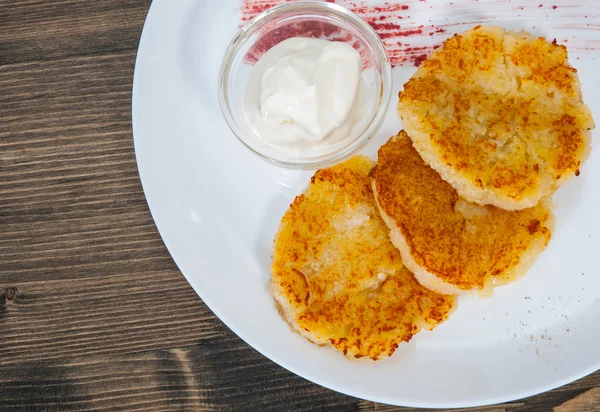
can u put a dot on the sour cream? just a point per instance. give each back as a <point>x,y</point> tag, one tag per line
<point>307,96</point>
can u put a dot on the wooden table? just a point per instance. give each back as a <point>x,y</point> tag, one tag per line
<point>94,314</point>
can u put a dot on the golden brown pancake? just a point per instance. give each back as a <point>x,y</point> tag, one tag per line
<point>451,245</point>
<point>499,115</point>
<point>337,278</point>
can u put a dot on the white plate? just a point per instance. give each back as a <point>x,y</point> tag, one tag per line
<point>217,208</point>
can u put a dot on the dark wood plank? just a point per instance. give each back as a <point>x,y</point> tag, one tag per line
<point>586,402</point>
<point>42,30</point>
<point>217,374</point>
<point>94,315</point>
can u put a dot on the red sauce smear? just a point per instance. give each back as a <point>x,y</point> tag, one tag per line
<point>386,19</point>
<point>409,44</point>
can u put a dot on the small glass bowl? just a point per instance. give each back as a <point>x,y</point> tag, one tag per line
<point>322,20</point>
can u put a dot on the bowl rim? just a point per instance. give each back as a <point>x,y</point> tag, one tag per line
<point>374,41</point>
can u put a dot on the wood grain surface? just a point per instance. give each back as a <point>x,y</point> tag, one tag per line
<point>94,314</point>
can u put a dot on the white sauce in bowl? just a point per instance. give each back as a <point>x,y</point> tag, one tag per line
<point>307,96</point>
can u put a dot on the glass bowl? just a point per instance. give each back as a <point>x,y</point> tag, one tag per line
<point>313,19</point>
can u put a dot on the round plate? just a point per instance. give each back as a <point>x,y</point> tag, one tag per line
<point>217,208</point>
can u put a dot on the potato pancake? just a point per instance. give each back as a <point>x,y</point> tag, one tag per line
<point>451,245</point>
<point>499,115</point>
<point>337,278</point>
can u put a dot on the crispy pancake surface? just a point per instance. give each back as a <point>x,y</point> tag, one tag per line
<point>499,115</point>
<point>451,245</point>
<point>337,278</point>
